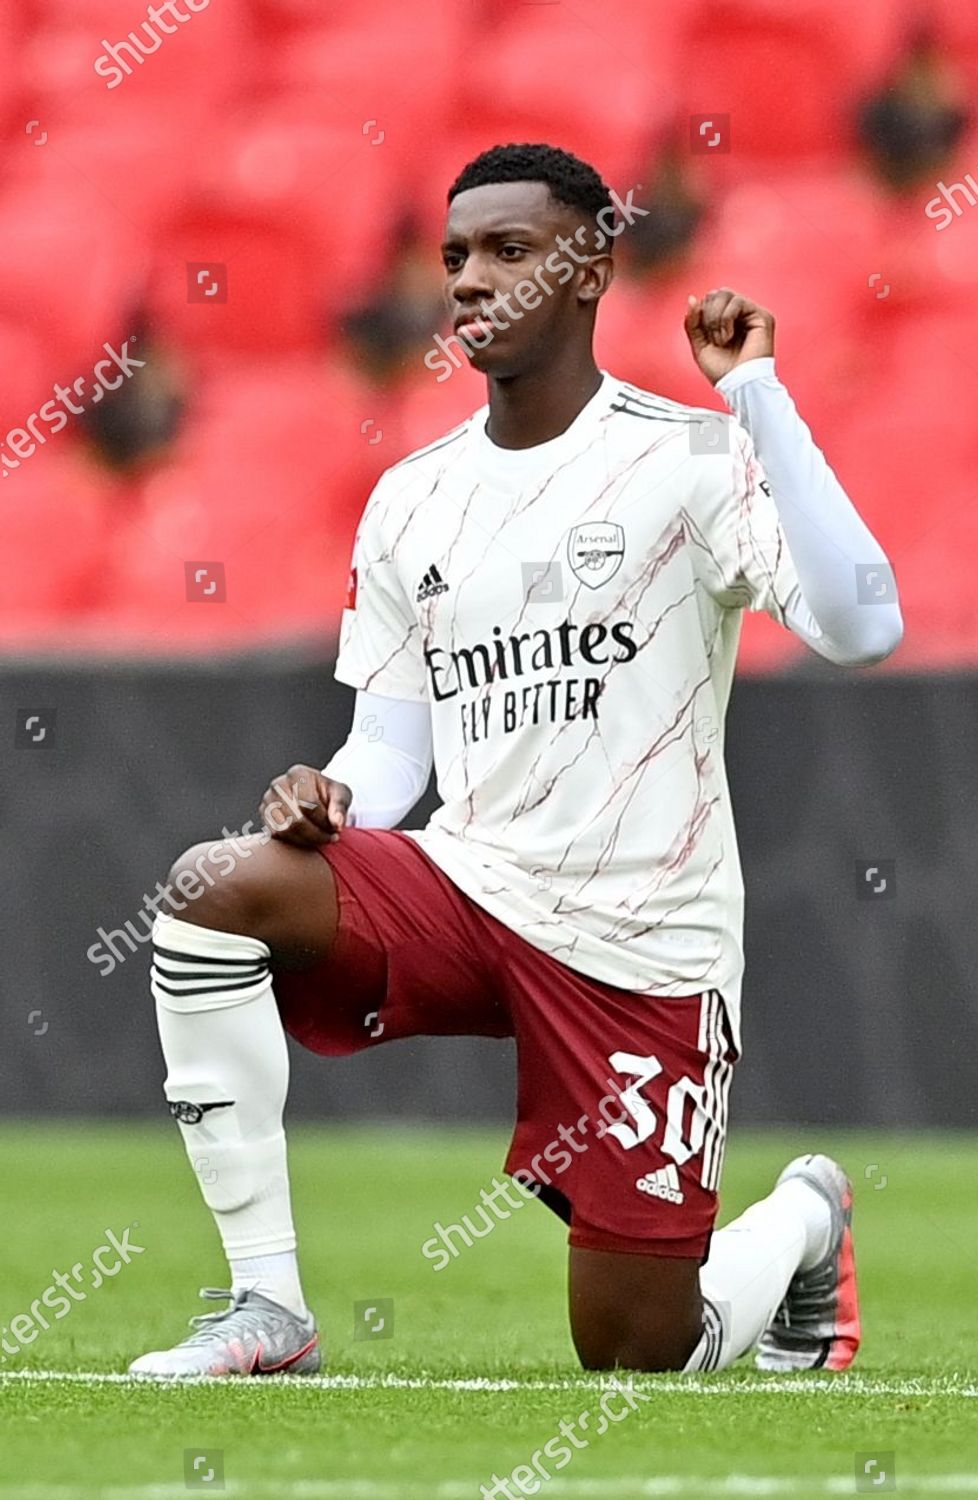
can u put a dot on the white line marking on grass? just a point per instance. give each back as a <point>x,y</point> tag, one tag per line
<point>774,1385</point>
<point>621,1487</point>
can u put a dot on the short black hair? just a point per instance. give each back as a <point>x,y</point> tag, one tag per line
<point>571,181</point>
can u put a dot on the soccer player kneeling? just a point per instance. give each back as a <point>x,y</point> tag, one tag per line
<point>545,604</point>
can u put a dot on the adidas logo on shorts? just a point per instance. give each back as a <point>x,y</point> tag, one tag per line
<point>431,584</point>
<point>662,1184</point>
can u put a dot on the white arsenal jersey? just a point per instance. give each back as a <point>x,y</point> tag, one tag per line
<point>570,613</point>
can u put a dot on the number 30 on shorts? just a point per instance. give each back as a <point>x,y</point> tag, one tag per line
<point>679,1118</point>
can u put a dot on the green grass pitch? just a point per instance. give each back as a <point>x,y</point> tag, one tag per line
<point>478,1370</point>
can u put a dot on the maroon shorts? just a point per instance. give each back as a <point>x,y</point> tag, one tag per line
<point>622,1097</point>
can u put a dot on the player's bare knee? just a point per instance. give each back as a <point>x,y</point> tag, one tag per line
<point>219,883</point>
<point>639,1356</point>
<point>621,1319</point>
<point>261,888</point>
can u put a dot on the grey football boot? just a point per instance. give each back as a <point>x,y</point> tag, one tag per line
<point>251,1337</point>
<point>817,1325</point>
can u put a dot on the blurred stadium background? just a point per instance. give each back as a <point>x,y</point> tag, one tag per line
<point>247,197</point>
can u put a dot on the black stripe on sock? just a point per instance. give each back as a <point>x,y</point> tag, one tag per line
<point>185,958</point>
<point>227,989</point>
<point>253,973</point>
<point>713,1326</point>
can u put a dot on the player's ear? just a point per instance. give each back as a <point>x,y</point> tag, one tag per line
<point>596,278</point>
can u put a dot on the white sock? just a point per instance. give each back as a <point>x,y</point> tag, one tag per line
<point>274,1276</point>
<point>750,1264</point>
<point>224,1045</point>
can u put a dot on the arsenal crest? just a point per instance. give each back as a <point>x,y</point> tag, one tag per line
<point>595,551</point>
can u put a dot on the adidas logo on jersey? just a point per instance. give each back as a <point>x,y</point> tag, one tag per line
<point>662,1184</point>
<point>431,584</point>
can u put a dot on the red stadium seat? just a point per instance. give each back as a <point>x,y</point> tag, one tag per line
<point>111,54</point>
<point>291,164</point>
<point>928,245</point>
<point>45,240</point>
<point>875,31</point>
<point>56,519</point>
<point>631,27</point>
<point>18,84</point>
<point>430,16</point>
<point>391,88</point>
<point>26,377</point>
<point>627,103</point>
<point>269,482</point>
<point>249,585</point>
<point>805,245</point>
<point>224,283</point>
<point>956,25</point>
<point>321,414</point>
<point>937,586</point>
<point>93,159</point>
<point>787,77</point>
<point>909,453</point>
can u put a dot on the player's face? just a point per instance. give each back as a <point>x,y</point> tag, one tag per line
<point>521,273</point>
